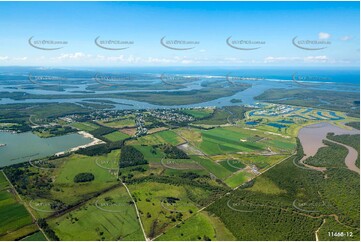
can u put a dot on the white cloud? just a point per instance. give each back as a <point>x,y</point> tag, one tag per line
<point>20,58</point>
<point>323,35</point>
<point>316,59</point>
<point>307,59</point>
<point>346,38</point>
<point>4,58</point>
<point>271,59</point>
<point>73,56</point>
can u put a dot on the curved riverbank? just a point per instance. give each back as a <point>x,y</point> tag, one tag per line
<point>312,136</point>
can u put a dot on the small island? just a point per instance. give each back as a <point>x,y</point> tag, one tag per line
<point>235,100</point>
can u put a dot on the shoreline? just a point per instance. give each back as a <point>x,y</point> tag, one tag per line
<point>312,136</point>
<point>95,141</point>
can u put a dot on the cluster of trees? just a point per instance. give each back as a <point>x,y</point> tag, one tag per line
<point>28,181</point>
<point>57,205</point>
<point>100,149</point>
<point>130,156</point>
<point>171,200</point>
<point>333,155</point>
<point>84,177</point>
<point>56,130</point>
<point>102,130</point>
<point>21,125</point>
<point>172,152</point>
<point>274,218</point>
<point>189,175</point>
<point>351,140</point>
<point>49,232</point>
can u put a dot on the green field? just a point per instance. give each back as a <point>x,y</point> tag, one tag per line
<point>13,215</point>
<point>237,179</point>
<point>289,203</point>
<point>86,126</point>
<point>163,137</point>
<point>201,226</point>
<point>20,233</point>
<point>198,113</point>
<point>212,166</point>
<point>116,136</point>
<point>232,164</point>
<point>110,216</point>
<point>230,139</point>
<point>38,236</point>
<point>67,191</point>
<point>3,182</point>
<point>117,124</point>
<point>157,214</point>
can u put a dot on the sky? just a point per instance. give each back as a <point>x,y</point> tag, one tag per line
<point>259,34</point>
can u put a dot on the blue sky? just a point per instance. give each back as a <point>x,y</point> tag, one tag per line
<point>272,25</point>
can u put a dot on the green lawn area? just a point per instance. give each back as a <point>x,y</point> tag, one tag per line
<point>237,179</point>
<point>227,140</point>
<point>150,154</point>
<point>117,124</point>
<point>201,226</point>
<point>66,190</point>
<point>198,113</point>
<point>213,167</point>
<point>232,165</point>
<point>110,216</point>
<point>86,126</point>
<point>116,136</point>
<point>163,137</point>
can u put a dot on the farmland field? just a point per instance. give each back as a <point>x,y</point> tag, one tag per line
<point>116,136</point>
<point>119,123</point>
<point>38,236</point>
<point>13,215</point>
<point>86,126</point>
<point>163,137</point>
<point>201,226</point>
<point>228,174</point>
<point>169,205</point>
<point>198,113</point>
<point>110,216</point>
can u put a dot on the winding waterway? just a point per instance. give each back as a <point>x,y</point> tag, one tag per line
<point>311,138</point>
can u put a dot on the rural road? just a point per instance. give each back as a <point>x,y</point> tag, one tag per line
<point>138,215</point>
